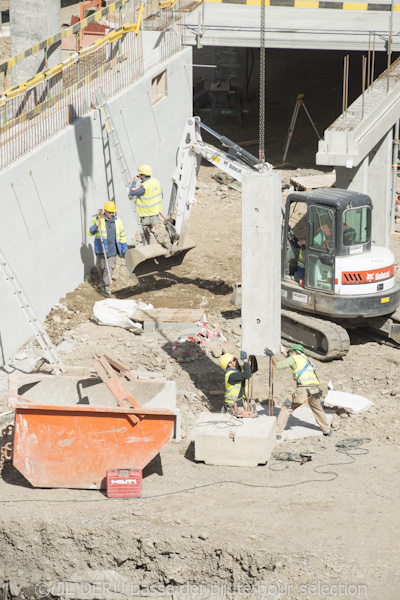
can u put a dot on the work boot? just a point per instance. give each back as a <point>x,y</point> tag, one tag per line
<point>104,290</point>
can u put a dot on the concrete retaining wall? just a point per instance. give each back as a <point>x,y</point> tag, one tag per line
<point>46,199</point>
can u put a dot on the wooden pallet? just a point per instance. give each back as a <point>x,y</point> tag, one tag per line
<point>167,315</point>
<point>312,182</point>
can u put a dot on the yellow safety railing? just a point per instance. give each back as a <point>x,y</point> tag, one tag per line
<point>64,33</point>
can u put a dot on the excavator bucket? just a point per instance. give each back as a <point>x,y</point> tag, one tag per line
<point>154,258</point>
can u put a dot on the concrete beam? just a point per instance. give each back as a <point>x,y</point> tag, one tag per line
<point>31,22</point>
<point>261,261</point>
<point>355,133</point>
<point>238,25</point>
<point>359,144</point>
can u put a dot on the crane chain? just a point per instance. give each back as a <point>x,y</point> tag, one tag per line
<point>261,152</point>
<point>6,446</point>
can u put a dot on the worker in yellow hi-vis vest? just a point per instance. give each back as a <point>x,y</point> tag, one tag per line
<point>146,190</point>
<point>109,241</point>
<point>236,381</point>
<point>307,389</point>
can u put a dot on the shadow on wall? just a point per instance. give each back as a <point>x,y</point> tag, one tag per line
<point>84,143</point>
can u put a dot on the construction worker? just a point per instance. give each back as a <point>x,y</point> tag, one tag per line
<point>307,389</point>
<point>300,273</point>
<point>108,231</point>
<point>236,380</point>
<point>148,195</point>
<point>323,237</point>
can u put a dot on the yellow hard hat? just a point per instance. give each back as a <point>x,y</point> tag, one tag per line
<point>145,170</point>
<point>225,360</point>
<point>110,206</point>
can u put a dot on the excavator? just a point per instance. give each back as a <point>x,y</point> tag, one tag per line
<point>345,282</point>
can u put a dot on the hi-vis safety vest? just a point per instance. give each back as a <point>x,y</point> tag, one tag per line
<point>304,373</point>
<point>300,260</point>
<point>120,236</point>
<point>232,391</point>
<point>151,202</point>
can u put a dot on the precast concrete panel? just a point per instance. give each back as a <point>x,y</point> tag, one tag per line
<point>261,262</point>
<point>50,201</point>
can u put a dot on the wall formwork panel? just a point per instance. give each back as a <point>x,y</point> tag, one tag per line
<point>48,202</point>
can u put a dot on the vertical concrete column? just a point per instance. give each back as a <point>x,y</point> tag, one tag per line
<point>261,261</point>
<point>32,21</point>
<point>380,189</point>
<point>373,177</point>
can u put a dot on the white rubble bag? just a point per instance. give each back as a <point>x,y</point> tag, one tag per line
<point>351,402</point>
<point>116,313</point>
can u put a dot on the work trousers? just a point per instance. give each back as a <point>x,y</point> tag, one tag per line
<point>300,396</point>
<point>153,226</point>
<point>102,269</point>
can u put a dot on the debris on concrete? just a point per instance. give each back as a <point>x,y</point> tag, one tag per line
<point>351,402</point>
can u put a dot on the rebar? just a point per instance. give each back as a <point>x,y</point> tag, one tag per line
<point>363,71</point>
<point>37,114</point>
<point>389,47</point>
<point>373,63</point>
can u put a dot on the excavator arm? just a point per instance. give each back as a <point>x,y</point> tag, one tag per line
<point>234,162</point>
<point>146,260</point>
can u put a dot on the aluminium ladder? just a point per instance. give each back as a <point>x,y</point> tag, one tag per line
<point>49,350</point>
<point>119,154</point>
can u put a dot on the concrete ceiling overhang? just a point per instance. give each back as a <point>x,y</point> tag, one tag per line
<point>357,131</point>
<point>238,25</point>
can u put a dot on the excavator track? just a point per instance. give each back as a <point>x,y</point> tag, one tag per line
<point>323,340</point>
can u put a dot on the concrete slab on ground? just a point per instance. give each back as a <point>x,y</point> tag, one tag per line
<point>312,182</point>
<point>222,439</point>
<point>301,423</point>
<point>182,320</point>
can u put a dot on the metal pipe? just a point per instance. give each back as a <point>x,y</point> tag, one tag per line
<point>373,63</point>
<point>394,178</point>
<point>389,47</point>
<point>344,84</point>
<point>369,60</point>
<point>363,70</point>
<point>271,388</point>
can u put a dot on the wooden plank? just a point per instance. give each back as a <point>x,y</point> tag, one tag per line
<point>312,182</point>
<point>168,315</point>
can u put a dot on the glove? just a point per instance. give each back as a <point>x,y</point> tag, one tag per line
<point>268,352</point>
<point>243,355</point>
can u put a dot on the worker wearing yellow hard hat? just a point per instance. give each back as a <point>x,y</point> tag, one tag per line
<point>109,241</point>
<point>146,191</point>
<point>236,380</point>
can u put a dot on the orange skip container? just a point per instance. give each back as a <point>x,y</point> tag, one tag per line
<point>69,431</point>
